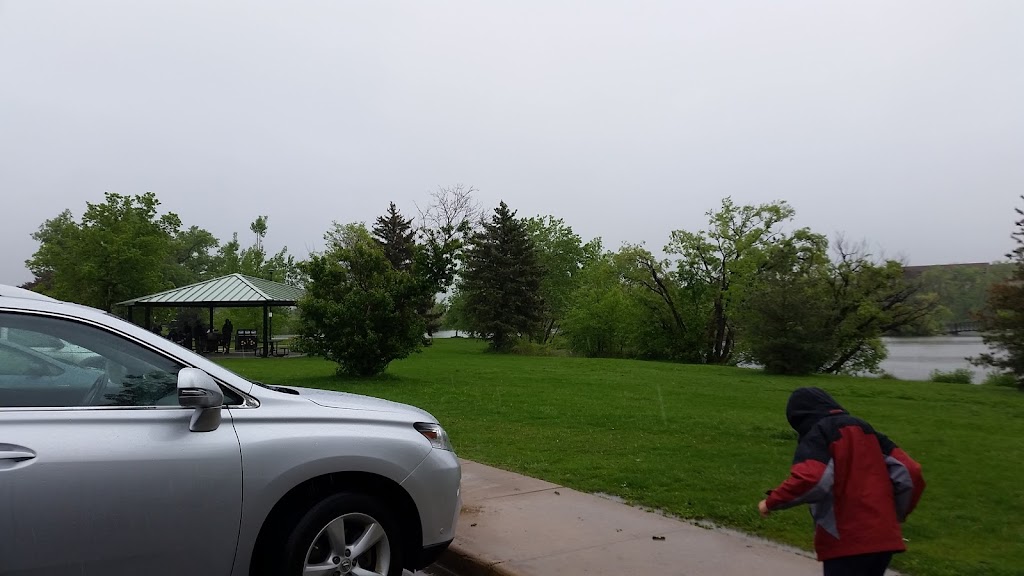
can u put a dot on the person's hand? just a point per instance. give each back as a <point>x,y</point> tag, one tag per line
<point>762,507</point>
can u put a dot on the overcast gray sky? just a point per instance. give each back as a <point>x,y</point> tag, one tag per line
<point>901,123</point>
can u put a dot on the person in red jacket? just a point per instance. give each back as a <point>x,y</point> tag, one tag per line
<point>860,486</point>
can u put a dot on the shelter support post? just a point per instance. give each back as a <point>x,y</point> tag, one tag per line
<point>266,331</point>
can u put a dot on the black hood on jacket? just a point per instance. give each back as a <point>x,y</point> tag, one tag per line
<point>808,405</point>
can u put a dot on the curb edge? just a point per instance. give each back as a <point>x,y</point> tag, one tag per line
<point>464,563</point>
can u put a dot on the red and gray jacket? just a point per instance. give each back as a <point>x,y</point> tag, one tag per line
<point>860,486</point>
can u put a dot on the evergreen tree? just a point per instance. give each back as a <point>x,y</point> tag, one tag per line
<point>1003,318</point>
<point>396,237</point>
<point>501,280</point>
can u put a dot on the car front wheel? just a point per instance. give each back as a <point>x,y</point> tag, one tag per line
<point>345,534</point>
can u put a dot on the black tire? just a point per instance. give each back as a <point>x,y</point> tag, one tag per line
<point>358,508</point>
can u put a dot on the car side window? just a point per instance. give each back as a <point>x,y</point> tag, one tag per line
<point>53,362</point>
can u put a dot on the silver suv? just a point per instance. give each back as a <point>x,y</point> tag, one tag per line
<point>158,461</point>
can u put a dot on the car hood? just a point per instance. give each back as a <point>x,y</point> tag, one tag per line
<point>332,399</point>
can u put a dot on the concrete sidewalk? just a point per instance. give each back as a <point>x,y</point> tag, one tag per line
<point>513,525</point>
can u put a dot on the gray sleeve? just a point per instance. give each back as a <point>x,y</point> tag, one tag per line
<point>820,492</point>
<point>902,486</point>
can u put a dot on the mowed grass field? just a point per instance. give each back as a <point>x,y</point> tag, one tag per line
<point>705,442</point>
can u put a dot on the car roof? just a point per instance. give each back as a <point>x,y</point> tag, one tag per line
<point>15,292</point>
<point>14,297</point>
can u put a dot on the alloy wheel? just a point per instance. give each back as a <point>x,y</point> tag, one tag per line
<point>354,544</point>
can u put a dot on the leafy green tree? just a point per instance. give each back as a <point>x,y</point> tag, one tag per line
<point>935,323</point>
<point>396,237</point>
<point>232,258</point>
<point>259,228</point>
<point>121,249</point>
<point>433,319</point>
<point>358,310</point>
<point>194,256</point>
<point>790,333</point>
<point>674,306</point>
<point>228,257</point>
<point>562,255</point>
<point>501,280</point>
<point>870,298</point>
<point>455,316</point>
<point>1003,317</point>
<point>786,318</point>
<point>38,284</point>
<point>730,250</point>
<point>58,238</point>
<point>804,312</point>
<point>603,317</point>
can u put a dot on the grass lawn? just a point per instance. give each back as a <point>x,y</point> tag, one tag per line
<point>706,442</point>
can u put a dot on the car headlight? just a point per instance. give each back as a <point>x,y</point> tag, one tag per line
<point>435,434</point>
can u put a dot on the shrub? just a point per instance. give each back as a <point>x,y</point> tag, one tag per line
<point>524,347</point>
<point>1006,379</point>
<point>958,376</point>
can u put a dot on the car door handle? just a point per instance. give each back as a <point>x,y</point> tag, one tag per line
<point>16,455</point>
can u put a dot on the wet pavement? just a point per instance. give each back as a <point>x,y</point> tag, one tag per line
<point>516,525</point>
<point>431,571</point>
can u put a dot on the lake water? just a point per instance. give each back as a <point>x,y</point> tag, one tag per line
<point>913,358</point>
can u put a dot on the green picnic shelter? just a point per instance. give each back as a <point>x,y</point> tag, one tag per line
<point>231,291</point>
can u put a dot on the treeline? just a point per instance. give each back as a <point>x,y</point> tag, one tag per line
<point>960,293</point>
<point>123,248</point>
<point>745,289</point>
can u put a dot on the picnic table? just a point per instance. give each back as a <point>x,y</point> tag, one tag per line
<point>279,345</point>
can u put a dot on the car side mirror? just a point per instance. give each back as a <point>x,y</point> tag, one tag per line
<point>197,389</point>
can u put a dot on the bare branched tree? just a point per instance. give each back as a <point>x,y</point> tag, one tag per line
<point>449,208</point>
<point>445,226</point>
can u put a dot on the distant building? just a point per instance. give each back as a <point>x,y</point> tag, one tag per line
<point>915,271</point>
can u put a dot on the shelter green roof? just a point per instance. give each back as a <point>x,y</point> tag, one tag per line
<point>230,290</point>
